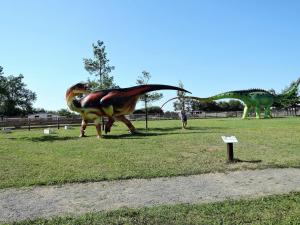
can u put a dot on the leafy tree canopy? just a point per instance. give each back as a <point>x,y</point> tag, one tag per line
<point>100,68</point>
<point>182,103</point>
<point>15,99</point>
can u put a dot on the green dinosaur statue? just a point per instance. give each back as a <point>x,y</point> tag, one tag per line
<point>256,99</point>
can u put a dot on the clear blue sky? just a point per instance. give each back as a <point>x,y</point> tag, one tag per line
<point>212,46</point>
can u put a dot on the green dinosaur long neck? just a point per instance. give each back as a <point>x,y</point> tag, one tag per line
<point>290,91</point>
<point>229,94</point>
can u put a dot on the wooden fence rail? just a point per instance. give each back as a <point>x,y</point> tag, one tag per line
<point>58,122</point>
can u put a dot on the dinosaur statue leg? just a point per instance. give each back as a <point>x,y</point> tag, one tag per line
<point>268,112</point>
<point>98,127</point>
<point>82,128</point>
<point>123,119</point>
<point>257,112</point>
<point>246,111</point>
<point>109,124</point>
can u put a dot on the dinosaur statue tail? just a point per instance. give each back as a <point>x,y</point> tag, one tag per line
<point>230,94</point>
<point>143,89</point>
<point>186,97</point>
<point>290,91</point>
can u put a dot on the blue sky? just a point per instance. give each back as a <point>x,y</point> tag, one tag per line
<point>211,46</point>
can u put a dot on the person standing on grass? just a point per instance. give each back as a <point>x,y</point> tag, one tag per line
<point>183,118</point>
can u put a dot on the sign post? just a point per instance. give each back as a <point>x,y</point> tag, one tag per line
<point>229,141</point>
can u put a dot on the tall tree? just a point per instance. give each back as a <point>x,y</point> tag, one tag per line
<point>182,103</point>
<point>15,99</point>
<point>150,97</point>
<point>99,67</point>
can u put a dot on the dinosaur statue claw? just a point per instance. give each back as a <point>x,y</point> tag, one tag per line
<point>134,132</point>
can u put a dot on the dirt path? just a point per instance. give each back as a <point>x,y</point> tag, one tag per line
<point>47,201</point>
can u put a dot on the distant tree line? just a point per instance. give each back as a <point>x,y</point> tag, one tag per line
<point>217,106</point>
<point>151,110</point>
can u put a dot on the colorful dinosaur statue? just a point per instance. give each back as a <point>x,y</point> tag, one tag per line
<point>111,103</point>
<point>256,99</point>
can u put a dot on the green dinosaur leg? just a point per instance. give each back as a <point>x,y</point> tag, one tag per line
<point>246,111</point>
<point>268,112</point>
<point>257,112</point>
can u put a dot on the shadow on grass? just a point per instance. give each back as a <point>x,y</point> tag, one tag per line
<point>146,134</point>
<point>48,138</point>
<point>170,129</point>
<point>139,135</point>
<point>237,160</point>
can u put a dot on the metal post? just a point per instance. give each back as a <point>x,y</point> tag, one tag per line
<point>146,112</point>
<point>103,123</point>
<point>58,123</point>
<point>229,152</point>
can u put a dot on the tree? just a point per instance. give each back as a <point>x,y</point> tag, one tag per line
<point>291,100</point>
<point>15,99</point>
<point>2,83</point>
<point>235,105</point>
<point>147,98</point>
<point>152,109</point>
<point>220,106</point>
<point>182,103</point>
<point>144,79</point>
<point>99,67</point>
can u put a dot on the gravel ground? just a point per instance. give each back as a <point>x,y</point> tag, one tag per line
<point>48,201</point>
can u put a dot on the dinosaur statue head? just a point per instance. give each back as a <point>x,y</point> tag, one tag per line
<point>76,90</point>
<point>79,88</point>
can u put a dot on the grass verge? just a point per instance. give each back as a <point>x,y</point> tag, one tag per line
<point>280,209</point>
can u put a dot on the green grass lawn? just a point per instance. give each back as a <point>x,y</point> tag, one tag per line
<point>32,158</point>
<point>280,209</point>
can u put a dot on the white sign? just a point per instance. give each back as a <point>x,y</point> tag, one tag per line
<point>49,131</point>
<point>6,130</point>
<point>229,139</point>
<point>67,127</point>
